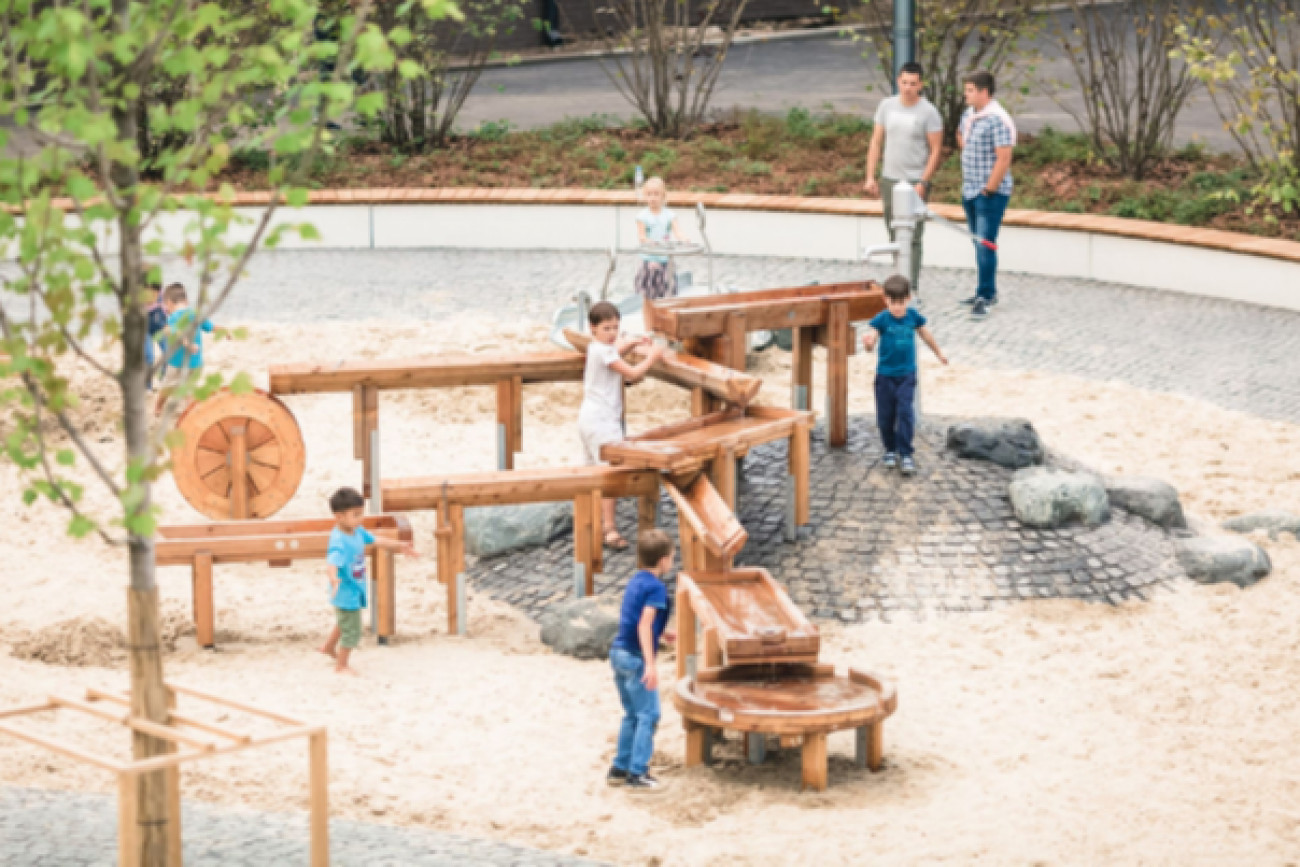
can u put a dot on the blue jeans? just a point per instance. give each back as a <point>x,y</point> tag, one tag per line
<point>636,736</point>
<point>895,413</point>
<point>984,218</point>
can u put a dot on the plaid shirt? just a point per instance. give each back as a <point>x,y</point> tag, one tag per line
<point>979,153</point>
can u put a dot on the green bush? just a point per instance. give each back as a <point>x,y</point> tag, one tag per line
<point>492,130</point>
<point>250,159</point>
<point>1051,146</point>
<point>799,124</point>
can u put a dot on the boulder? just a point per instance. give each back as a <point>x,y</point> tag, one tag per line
<point>493,530</point>
<point>1153,499</point>
<point>1047,498</point>
<point>1274,521</point>
<point>583,628</point>
<point>1009,442</point>
<point>1215,559</point>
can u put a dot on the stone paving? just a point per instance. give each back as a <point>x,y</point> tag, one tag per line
<point>880,545</point>
<point>1236,355</point>
<point>40,828</point>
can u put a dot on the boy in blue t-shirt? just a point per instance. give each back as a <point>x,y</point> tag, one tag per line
<point>347,564</point>
<point>184,354</point>
<point>156,323</point>
<point>633,657</point>
<point>896,329</point>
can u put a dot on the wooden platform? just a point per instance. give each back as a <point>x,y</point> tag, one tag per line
<point>278,543</point>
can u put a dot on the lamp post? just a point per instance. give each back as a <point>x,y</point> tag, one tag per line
<point>904,35</point>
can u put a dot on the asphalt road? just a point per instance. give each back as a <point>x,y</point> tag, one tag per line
<point>820,73</point>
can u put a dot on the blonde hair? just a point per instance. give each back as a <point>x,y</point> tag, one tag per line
<point>654,181</point>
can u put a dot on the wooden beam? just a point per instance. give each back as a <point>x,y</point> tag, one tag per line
<point>63,749</point>
<point>239,493</point>
<point>219,529</point>
<point>549,485</point>
<point>446,371</point>
<point>770,309</point>
<point>274,716</point>
<point>712,521</point>
<point>689,371</point>
<point>736,339</point>
<point>250,549</point>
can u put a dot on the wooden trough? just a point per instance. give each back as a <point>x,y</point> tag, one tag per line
<point>278,543</point>
<point>715,327</point>
<point>188,738</point>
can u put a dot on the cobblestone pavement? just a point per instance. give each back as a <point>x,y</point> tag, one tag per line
<point>40,828</point>
<point>880,545</point>
<point>1235,355</point>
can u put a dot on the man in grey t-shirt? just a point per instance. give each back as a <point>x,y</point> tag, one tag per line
<point>912,132</point>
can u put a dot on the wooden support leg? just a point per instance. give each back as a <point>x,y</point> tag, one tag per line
<point>204,619</point>
<point>697,745</point>
<point>509,421</point>
<point>451,562</point>
<point>685,633</point>
<point>737,341</point>
<point>814,762</point>
<point>239,472</point>
<point>597,543</point>
<point>385,594</point>
<point>712,649</point>
<point>801,368</point>
<point>365,420</point>
<point>647,511</point>
<point>172,777</point>
<point>876,745</point>
<point>722,472</point>
<point>838,339</point>
<point>800,469</point>
<point>699,402</point>
<point>128,828</point>
<point>318,749</point>
<point>582,533</point>
<point>517,413</point>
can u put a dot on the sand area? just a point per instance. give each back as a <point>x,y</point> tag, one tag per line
<point>1160,732</point>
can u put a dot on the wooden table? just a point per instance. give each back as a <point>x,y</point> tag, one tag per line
<point>279,543</point>
<point>715,327</point>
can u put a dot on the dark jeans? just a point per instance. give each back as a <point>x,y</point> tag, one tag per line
<point>984,218</point>
<point>895,398</point>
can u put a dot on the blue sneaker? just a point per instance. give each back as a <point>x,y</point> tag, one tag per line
<point>889,461</point>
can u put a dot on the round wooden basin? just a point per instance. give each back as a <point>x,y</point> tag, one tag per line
<point>784,699</point>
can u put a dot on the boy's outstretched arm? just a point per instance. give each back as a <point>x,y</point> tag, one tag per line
<point>635,373</point>
<point>932,343</point>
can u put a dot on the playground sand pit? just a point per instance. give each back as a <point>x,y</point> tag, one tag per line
<point>1053,732</point>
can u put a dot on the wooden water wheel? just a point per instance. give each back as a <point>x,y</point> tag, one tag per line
<point>243,455</point>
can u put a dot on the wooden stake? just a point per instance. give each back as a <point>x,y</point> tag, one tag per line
<point>583,530</point>
<point>369,423</point>
<point>736,341</point>
<point>876,745</point>
<point>128,837</point>
<point>839,337</point>
<point>385,593</point>
<point>456,565</point>
<point>517,412</point>
<point>801,368</point>
<point>597,543</point>
<point>204,605</point>
<point>647,511</point>
<point>318,755</point>
<point>814,761</point>
<point>505,424</point>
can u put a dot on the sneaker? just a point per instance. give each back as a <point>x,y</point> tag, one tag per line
<point>909,467</point>
<point>980,309</point>
<point>971,301</point>
<point>615,777</point>
<point>644,783</point>
<point>889,461</point>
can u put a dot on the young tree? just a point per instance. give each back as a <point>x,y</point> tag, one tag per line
<point>1132,85</point>
<point>953,37</point>
<point>83,214</point>
<point>657,57</point>
<point>439,64</point>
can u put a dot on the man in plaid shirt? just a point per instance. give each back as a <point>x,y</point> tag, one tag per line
<point>986,136</point>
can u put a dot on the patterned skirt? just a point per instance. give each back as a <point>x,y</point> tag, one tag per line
<point>656,280</point>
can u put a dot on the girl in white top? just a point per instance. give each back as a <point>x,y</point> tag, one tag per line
<point>656,224</point>
<point>600,419</point>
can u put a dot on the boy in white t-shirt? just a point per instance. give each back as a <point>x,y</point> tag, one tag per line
<point>600,420</point>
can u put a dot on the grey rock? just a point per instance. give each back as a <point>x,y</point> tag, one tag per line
<point>1012,443</point>
<point>1153,499</point>
<point>582,628</point>
<point>1272,520</point>
<point>1215,559</point>
<point>494,530</point>
<point>1046,498</point>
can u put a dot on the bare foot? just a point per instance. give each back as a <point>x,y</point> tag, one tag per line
<point>348,670</point>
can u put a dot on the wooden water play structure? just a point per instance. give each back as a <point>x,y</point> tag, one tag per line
<point>189,738</point>
<point>278,543</point>
<point>715,327</point>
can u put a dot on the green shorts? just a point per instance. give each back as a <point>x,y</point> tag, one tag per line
<point>349,627</point>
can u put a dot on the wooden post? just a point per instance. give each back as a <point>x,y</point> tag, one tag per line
<point>128,827</point>
<point>239,472</point>
<point>876,745</point>
<point>697,744</point>
<point>800,469</point>
<point>647,510</point>
<point>360,442</point>
<point>685,631</point>
<point>319,781</point>
<point>204,619</point>
<point>385,594</point>
<point>456,520</point>
<point>597,543</point>
<point>736,342</point>
<point>364,423</point>
<point>712,650</point>
<point>699,402</point>
<point>722,472</point>
<point>814,761</point>
<point>582,532</point>
<point>509,420</point>
<point>175,851</point>
<point>801,367</point>
<point>838,339</point>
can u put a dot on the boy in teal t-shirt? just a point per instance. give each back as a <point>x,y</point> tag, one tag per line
<point>896,330</point>
<point>184,353</point>
<point>347,560</point>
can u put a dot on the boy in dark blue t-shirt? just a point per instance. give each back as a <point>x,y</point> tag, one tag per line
<point>634,655</point>
<point>896,330</point>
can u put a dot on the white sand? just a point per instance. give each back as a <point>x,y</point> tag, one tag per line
<point>1052,732</point>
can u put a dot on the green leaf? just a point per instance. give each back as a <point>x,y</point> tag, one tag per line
<point>65,457</point>
<point>80,526</point>
<point>241,384</point>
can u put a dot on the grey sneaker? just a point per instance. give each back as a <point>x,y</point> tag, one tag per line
<point>615,777</point>
<point>644,783</point>
<point>889,461</point>
<point>980,309</point>
<point>909,467</point>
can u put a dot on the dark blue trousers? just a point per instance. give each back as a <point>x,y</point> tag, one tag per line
<point>895,413</point>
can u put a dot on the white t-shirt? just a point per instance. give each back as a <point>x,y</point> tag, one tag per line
<point>602,389</point>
